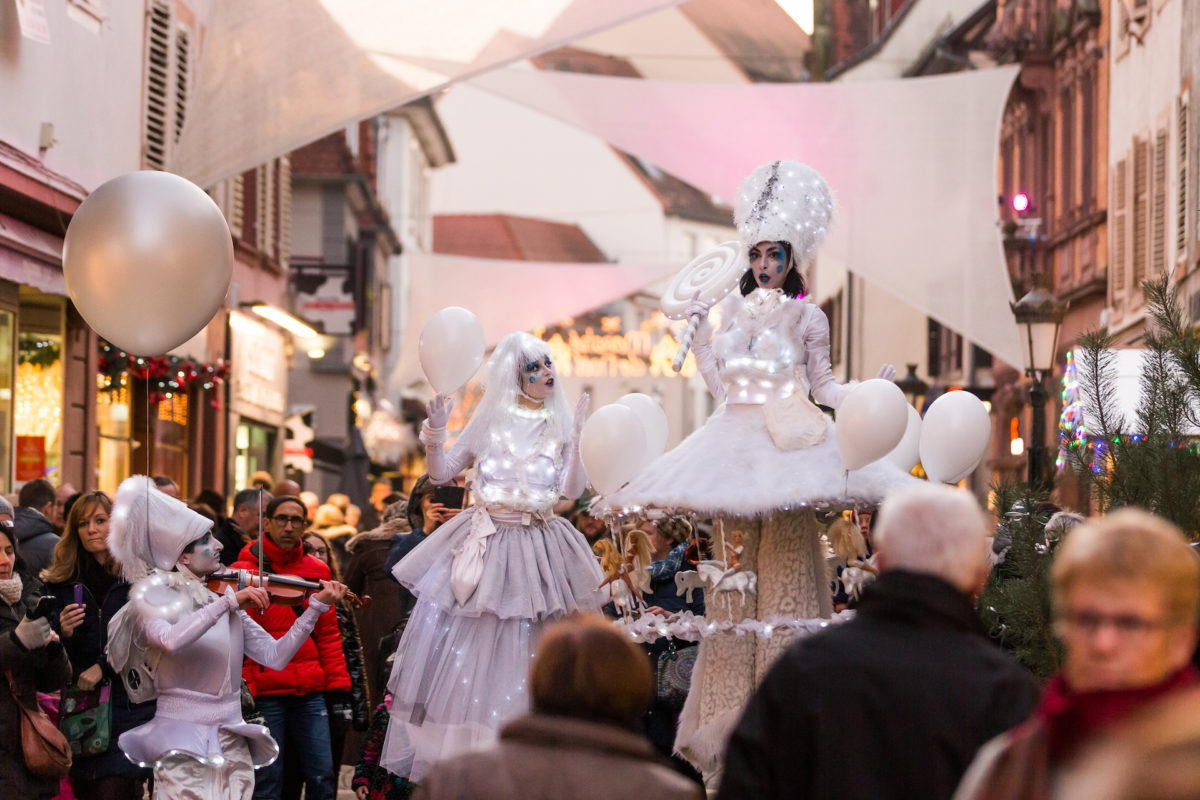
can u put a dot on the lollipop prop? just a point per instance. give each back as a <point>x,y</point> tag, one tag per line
<point>709,277</point>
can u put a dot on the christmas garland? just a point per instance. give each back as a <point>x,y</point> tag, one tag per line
<point>166,376</point>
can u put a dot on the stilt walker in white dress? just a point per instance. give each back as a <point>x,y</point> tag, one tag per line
<point>182,643</point>
<point>488,580</point>
<point>767,457</point>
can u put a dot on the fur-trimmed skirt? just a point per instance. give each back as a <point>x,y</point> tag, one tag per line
<point>731,466</point>
<point>461,669</point>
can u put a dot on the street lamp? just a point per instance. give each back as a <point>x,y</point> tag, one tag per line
<point>913,387</point>
<point>1040,316</point>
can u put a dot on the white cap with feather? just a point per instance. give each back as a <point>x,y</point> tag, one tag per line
<point>150,529</point>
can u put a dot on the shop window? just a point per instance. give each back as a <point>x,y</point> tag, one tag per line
<point>7,328</point>
<point>113,417</point>
<point>38,400</point>
<point>171,440</point>
<point>254,446</point>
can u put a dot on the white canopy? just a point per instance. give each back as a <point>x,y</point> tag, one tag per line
<point>508,296</point>
<point>277,74</point>
<point>912,164</point>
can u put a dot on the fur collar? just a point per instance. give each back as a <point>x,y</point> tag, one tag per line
<point>383,533</point>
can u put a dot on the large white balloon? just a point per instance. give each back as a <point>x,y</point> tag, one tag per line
<point>451,348</point>
<point>612,447</point>
<point>906,454</point>
<point>954,436</point>
<point>870,422</point>
<point>654,420</point>
<point>147,260</point>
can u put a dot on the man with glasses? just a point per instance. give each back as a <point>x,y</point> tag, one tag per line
<point>1125,592</point>
<point>292,699</point>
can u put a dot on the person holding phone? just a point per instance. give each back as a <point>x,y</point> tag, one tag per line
<point>85,583</point>
<point>494,574</point>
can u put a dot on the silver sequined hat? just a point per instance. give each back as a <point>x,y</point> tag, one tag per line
<point>784,201</point>
<point>148,528</point>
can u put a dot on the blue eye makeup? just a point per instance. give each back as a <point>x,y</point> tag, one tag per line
<point>531,366</point>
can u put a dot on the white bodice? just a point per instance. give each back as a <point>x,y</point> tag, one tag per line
<point>760,346</point>
<point>520,464</point>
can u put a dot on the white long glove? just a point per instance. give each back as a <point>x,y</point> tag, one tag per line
<point>706,359</point>
<point>575,479</point>
<point>35,633</point>
<point>433,436</point>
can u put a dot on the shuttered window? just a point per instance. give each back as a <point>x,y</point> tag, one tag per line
<point>1141,208</point>
<point>1181,197</point>
<point>1158,221</point>
<point>168,84</point>
<point>1120,240</point>
<point>284,191</point>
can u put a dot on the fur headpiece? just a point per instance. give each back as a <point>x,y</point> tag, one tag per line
<point>784,201</point>
<point>150,529</point>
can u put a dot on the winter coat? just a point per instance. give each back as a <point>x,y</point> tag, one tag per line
<point>232,539</point>
<point>548,758</point>
<point>102,598</point>
<point>43,670</point>
<point>893,704</point>
<point>366,575</point>
<point>319,665</point>
<point>36,538</point>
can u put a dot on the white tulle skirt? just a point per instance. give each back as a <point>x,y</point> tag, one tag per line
<point>461,669</point>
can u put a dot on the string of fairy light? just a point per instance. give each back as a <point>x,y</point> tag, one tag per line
<point>167,376</point>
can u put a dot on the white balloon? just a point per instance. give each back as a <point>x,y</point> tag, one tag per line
<point>906,454</point>
<point>612,446</point>
<point>954,436</point>
<point>147,260</point>
<point>451,348</point>
<point>654,420</point>
<point>870,422</point>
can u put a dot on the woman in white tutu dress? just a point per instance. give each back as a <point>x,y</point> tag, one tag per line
<point>767,456</point>
<point>487,581</point>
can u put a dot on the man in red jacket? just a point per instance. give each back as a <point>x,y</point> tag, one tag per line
<point>293,699</point>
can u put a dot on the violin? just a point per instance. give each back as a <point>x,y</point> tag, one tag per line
<point>284,590</point>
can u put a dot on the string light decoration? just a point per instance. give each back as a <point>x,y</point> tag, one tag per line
<point>1072,429</point>
<point>168,376</point>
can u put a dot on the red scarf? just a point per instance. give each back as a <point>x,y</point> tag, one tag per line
<point>1071,717</point>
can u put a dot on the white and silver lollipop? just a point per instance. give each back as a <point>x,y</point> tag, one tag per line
<point>709,277</point>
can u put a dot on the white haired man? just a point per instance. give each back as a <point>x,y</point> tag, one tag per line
<point>896,702</point>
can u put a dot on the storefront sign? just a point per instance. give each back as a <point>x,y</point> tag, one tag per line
<point>612,353</point>
<point>257,370</point>
<point>31,458</point>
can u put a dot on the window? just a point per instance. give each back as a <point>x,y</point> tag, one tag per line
<point>1067,154</point>
<point>168,82</point>
<point>1087,145</point>
<point>1181,197</point>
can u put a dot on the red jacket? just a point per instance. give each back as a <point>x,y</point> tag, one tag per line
<point>318,665</point>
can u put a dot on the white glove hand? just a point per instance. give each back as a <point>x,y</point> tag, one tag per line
<point>697,307</point>
<point>887,372</point>
<point>35,633</point>
<point>581,409</point>
<point>438,410</point>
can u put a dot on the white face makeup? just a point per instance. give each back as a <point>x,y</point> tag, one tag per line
<point>768,264</point>
<point>204,559</point>
<point>537,378</point>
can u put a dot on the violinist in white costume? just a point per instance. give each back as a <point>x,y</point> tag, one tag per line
<point>180,642</point>
<point>768,455</point>
<point>488,580</point>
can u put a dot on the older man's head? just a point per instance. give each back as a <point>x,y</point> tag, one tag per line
<point>1126,592</point>
<point>935,530</point>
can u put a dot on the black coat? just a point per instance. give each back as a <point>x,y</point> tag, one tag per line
<point>43,670</point>
<point>893,704</point>
<point>36,539</point>
<point>232,539</point>
<point>86,647</point>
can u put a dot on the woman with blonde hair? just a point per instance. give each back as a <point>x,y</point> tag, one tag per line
<point>84,580</point>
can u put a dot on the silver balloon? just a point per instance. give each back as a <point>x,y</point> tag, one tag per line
<point>147,261</point>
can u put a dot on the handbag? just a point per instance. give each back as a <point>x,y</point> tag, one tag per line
<point>674,673</point>
<point>47,753</point>
<point>85,718</point>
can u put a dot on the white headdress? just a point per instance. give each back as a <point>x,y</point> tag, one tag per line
<point>148,528</point>
<point>784,201</point>
<point>505,371</point>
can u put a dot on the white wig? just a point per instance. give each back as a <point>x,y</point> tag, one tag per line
<point>149,528</point>
<point>505,372</point>
<point>784,201</point>
<point>933,529</point>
